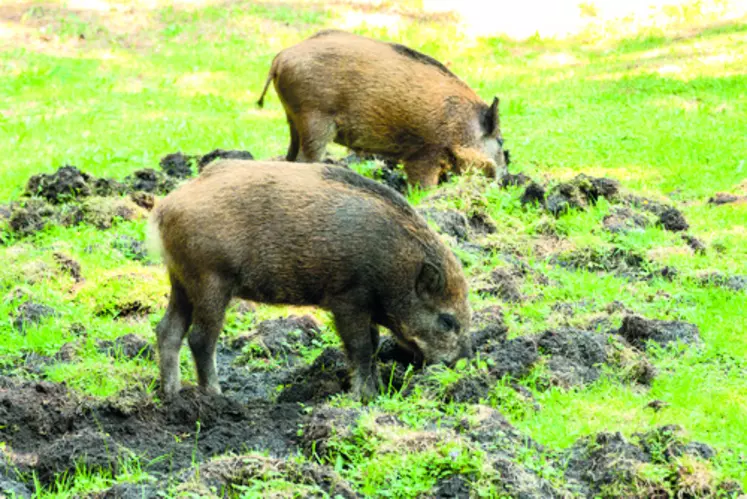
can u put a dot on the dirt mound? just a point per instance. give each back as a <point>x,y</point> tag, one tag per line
<point>145,200</point>
<point>620,261</point>
<point>695,244</point>
<point>30,216</point>
<point>575,355</point>
<point>281,338</point>
<point>324,426</point>
<point>623,219</point>
<point>177,165</point>
<point>455,486</point>
<point>129,346</point>
<point>672,219</point>
<point>11,484</point>
<point>233,474</point>
<point>30,313</point>
<point>66,184</point>
<point>50,427</point>
<point>221,154</point>
<point>732,282</point>
<point>725,198</point>
<point>150,180</point>
<point>392,177</point>
<point>69,266</point>
<point>610,465</point>
<point>515,179</point>
<point>327,376</point>
<point>501,283</point>
<point>639,331</point>
<point>449,222</point>
<point>578,193</point>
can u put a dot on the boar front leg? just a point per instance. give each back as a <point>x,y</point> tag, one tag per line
<point>356,331</point>
<point>423,171</point>
<point>209,313</point>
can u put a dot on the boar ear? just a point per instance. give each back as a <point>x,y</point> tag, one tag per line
<point>491,119</point>
<point>430,280</point>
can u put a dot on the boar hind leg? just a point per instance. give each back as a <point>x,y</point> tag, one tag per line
<point>355,329</point>
<point>170,334</point>
<point>315,132</point>
<point>295,142</point>
<point>209,312</point>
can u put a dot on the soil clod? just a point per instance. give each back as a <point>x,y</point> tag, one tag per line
<point>327,376</point>
<point>130,346</point>
<point>638,331</point>
<point>515,179</point>
<point>624,219</point>
<point>503,285</point>
<point>696,244</point>
<point>31,313</point>
<point>533,194</point>
<point>145,200</point>
<point>177,165</point>
<point>130,247</point>
<point>449,222</point>
<point>673,220</point>
<point>69,266</point>
<point>66,184</point>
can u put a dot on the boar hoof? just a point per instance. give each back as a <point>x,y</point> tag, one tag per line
<point>364,389</point>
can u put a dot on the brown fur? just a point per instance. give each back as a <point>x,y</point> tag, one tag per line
<point>285,233</point>
<point>385,99</point>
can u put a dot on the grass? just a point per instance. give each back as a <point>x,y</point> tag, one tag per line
<point>665,115</point>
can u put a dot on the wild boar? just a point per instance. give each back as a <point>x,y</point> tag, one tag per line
<point>286,233</point>
<point>384,99</point>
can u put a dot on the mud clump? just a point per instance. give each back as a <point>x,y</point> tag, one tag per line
<point>534,194</point>
<point>281,338</point>
<point>324,426</point>
<point>145,200</point>
<point>130,346</point>
<point>69,266</point>
<point>449,222</point>
<point>221,154</point>
<point>232,474</point>
<point>513,358</point>
<point>725,198</point>
<point>130,247</point>
<point>515,180</point>
<point>66,184</point>
<point>327,376</point>
<point>622,219</point>
<point>579,193</point>
<point>391,177</point>
<point>472,389</point>
<point>620,261</point>
<point>608,464</point>
<point>177,165</point>
<point>453,487</point>
<point>102,213</point>
<point>10,483</point>
<point>31,216</point>
<point>732,282</point>
<point>639,331</point>
<point>31,313</point>
<point>150,180</point>
<point>575,355</point>
<point>502,284</point>
<point>53,428</point>
<point>695,244</point>
<point>106,187</point>
<point>673,220</point>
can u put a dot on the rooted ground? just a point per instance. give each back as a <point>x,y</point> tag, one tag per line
<point>608,270</point>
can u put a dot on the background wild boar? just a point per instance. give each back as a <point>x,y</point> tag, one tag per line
<point>385,99</point>
<point>285,233</point>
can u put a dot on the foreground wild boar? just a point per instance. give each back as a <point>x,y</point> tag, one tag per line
<point>284,233</point>
<point>385,99</point>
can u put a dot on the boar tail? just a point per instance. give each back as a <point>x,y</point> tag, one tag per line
<point>153,237</point>
<point>270,76</point>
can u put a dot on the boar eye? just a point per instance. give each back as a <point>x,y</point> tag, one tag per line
<point>447,322</point>
<point>500,141</point>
